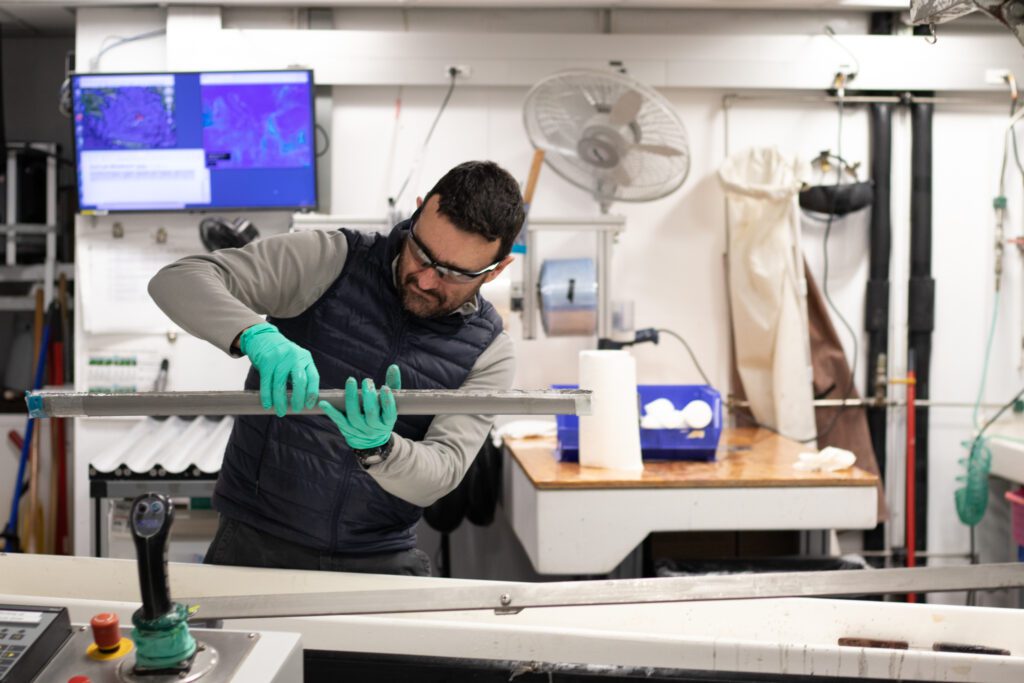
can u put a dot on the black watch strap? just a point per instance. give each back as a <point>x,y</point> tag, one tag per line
<point>368,457</point>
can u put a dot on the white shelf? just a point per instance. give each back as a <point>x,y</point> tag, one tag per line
<point>1008,456</point>
<point>34,273</point>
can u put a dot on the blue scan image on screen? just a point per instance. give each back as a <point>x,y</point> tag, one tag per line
<point>193,141</point>
<point>127,118</point>
<point>256,126</point>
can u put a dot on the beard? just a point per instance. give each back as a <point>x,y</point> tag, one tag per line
<point>430,304</point>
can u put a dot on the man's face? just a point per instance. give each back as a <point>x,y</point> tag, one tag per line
<point>425,292</point>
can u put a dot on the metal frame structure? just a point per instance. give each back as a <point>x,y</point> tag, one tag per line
<point>607,228</point>
<point>11,229</point>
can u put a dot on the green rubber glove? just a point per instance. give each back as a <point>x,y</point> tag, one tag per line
<point>278,360</point>
<point>368,425</point>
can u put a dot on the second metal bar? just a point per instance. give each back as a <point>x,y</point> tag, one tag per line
<point>512,597</point>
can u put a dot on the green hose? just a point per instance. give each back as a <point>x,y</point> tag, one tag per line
<point>972,497</point>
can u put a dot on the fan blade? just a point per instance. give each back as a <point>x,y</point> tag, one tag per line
<point>621,175</point>
<point>579,107</point>
<point>663,150</point>
<point>558,149</point>
<point>626,108</point>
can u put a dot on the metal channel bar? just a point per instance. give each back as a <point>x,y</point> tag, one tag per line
<point>530,285</point>
<point>872,403</point>
<point>982,98</point>
<point>604,284</point>
<point>410,402</point>
<point>513,597</point>
<point>11,228</point>
<point>27,229</point>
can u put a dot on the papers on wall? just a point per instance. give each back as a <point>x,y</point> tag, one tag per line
<point>121,371</point>
<point>114,276</point>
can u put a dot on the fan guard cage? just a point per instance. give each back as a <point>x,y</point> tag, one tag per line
<point>567,109</point>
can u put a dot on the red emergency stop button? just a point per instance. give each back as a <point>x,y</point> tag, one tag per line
<point>79,679</point>
<point>106,631</point>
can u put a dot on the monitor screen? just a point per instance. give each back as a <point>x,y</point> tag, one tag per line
<point>195,141</point>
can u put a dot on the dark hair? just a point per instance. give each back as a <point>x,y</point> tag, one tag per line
<point>482,198</point>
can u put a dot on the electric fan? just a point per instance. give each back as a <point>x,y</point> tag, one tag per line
<point>611,135</point>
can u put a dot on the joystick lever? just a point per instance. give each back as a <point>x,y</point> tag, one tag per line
<point>162,639</point>
<point>151,518</point>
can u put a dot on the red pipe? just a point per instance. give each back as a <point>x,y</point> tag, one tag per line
<point>911,502</point>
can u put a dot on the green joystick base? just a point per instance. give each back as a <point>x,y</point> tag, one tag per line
<point>163,644</point>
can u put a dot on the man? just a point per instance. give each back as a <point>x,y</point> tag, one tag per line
<point>344,491</point>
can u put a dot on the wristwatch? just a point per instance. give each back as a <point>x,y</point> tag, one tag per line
<point>368,457</point>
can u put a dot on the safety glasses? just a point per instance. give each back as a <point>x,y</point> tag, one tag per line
<point>446,273</point>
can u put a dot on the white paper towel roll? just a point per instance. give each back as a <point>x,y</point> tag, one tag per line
<point>610,436</point>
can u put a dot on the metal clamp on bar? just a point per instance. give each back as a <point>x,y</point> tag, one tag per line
<point>43,404</point>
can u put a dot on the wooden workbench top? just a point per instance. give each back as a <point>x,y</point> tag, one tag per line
<point>747,457</point>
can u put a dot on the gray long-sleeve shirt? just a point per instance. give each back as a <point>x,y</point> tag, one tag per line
<point>216,296</point>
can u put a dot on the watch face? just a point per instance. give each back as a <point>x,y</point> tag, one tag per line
<point>374,456</point>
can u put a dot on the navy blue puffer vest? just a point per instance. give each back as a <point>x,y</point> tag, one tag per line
<point>295,478</point>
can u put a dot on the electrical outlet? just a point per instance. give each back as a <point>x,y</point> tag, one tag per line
<point>996,76</point>
<point>461,70</point>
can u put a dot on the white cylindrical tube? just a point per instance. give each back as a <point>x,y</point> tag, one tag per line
<point>610,435</point>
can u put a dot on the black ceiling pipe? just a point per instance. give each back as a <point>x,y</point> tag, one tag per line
<point>876,309</point>
<point>921,300</point>
<point>882,23</point>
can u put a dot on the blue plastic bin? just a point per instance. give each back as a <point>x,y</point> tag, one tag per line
<point>656,444</point>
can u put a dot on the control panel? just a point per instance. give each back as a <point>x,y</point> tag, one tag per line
<point>41,645</point>
<point>29,636</point>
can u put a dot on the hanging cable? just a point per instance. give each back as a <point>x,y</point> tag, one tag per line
<point>1015,100</point>
<point>693,356</point>
<point>972,497</point>
<point>94,63</point>
<point>64,100</point>
<point>849,76</point>
<point>1006,406</point>
<point>972,595</point>
<point>64,103</point>
<point>824,278</point>
<point>327,140</point>
<point>453,73</point>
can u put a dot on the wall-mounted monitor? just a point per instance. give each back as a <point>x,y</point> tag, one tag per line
<point>195,141</point>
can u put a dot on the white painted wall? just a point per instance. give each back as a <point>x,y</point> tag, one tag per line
<point>670,259</point>
<point>968,138</point>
